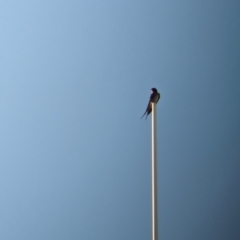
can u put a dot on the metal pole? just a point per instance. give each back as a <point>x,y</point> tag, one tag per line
<point>154,174</point>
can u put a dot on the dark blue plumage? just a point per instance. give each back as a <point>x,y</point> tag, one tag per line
<point>154,97</point>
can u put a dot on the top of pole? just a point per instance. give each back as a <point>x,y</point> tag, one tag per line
<point>154,98</point>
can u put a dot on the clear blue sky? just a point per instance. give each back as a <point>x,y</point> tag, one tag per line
<point>75,78</point>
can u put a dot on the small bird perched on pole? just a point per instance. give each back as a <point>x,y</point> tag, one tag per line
<point>154,97</point>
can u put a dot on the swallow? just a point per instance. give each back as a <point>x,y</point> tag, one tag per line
<point>154,97</point>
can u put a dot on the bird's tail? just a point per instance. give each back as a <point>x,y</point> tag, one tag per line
<point>143,114</point>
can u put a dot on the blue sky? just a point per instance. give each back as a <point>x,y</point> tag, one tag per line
<point>75,158</point>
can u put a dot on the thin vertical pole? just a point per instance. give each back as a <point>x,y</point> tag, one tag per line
<point>154,174</point>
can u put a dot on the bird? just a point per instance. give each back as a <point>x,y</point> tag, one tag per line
<point>154,97</point>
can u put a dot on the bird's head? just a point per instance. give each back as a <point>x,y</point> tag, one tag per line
<point>154,90</point>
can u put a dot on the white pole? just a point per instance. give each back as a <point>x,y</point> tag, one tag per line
<point>154,174</point>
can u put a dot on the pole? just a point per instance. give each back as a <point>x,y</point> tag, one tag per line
<point>154,174</point>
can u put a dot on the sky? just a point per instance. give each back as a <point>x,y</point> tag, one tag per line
<point>75,157</point>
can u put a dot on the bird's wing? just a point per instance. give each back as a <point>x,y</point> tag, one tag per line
<point>148,108</point>
<point>155,97</point>
<point>152,96</point>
